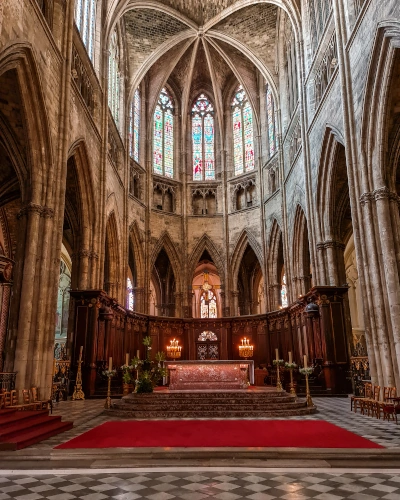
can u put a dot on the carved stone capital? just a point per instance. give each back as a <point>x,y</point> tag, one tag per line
<point>30,208</point>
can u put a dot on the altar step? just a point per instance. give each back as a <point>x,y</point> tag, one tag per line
<point>241,404</point>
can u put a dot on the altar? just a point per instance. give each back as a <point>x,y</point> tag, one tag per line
<point>210,374</point>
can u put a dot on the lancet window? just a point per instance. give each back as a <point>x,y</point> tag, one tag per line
<point>114,77</point>
<point>134,126</point>
<point>243,143</point>
<point>129,294</point>
<point>163,136</point>
<point>208,304</point>
<point>271,123</point>
<point>284,297</point>
<point>203,139</point>
<point>85,20</point>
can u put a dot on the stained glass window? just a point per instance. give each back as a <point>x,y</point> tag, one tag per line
<point>203,139</point>
<point>284,298</point>
<point>129,293</point>
<point>114,78</point>
<point>134,126</point>
<point>243,141</point>
<point>208,307</point>
<point>85,19</point>
<point>271,124</point>
<point>163,136</point>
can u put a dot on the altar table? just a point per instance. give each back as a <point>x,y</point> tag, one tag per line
<point>210,374</point>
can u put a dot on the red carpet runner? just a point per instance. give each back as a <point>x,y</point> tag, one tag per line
<point>218,433</point>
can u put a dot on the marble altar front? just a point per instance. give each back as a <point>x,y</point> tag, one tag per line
<point>210,374</point>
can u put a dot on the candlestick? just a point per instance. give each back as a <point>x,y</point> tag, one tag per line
<point>290,357</point>
<point>110,363</point>
<point>305,360</point>
<point>78,392</point>
<point>138,354</point>
<point>278,377</point>
<point>80,353</point>
<point>127,358</point>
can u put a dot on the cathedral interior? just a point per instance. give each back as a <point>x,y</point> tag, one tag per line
<point>170,167</point>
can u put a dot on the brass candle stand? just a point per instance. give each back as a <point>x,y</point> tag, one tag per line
<point>109,374</point>
<point>308,395</point>
<point>307,372</point>
<point>78,392</point>
<point>107,404</point>
<point>277,363</point>
<point>291,366</point>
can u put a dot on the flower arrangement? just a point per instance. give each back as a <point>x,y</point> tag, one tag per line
<point>109,373</point>
<point>280,361</point>
<point>306,371</point>
<point>290,366</point>
<point>150,372</point>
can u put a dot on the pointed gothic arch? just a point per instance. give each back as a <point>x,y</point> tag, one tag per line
<point>205,243</point>
<point>245,238</point>
<point>112,260</point>
<point>165,242</point>
<point>275,265</point>
<point>301,253</point>
<point>20,57</point>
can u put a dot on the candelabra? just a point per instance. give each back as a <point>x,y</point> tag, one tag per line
<point>174,350</point>
<point>246,350</point>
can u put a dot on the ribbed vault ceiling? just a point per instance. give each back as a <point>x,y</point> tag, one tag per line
<point>165,48</point>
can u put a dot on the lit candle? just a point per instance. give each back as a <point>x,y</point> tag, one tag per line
<point>110,363</point>
<point>276,354</point>
<point>127,358</point>
<point>80,353</point>
<point>305,360</point>
<point>290,356</point>
<point>138,354</point>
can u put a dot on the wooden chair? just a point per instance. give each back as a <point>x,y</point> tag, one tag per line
<point>40,404</point>
<point>369,403</point>
<point>26,403</point>
<point>388,394</point>
<point>356,400</point>
<point>7,399</point>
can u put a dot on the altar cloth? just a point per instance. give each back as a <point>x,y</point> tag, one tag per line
<point>210,374</point>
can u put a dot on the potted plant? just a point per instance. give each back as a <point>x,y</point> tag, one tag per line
<point>149,371</point>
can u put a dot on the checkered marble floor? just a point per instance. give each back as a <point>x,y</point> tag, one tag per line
<point>226,484</point>
<point>88,414</point>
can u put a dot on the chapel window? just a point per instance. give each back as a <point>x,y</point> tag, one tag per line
<point>271,122</point>
<point>163,136</point>
<point>284,298</point>
<point>85,19</point>
<point>134,126</point>
<point>203,139</point>
<point>129,294</point>
<point>208,305</point>
<point>114,78</point>
<point>243,144</point>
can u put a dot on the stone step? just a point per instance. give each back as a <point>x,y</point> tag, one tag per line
<point>208,407</point>
<point>195,414</point>
<point>137,400</point>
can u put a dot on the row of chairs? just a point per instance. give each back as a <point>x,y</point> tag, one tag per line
<point>24,400</point>
<point>371,404</point>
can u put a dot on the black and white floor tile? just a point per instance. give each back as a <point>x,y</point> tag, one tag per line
<point>198,484</point>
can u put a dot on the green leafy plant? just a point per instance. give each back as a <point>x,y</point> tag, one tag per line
<point>150,371</point>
